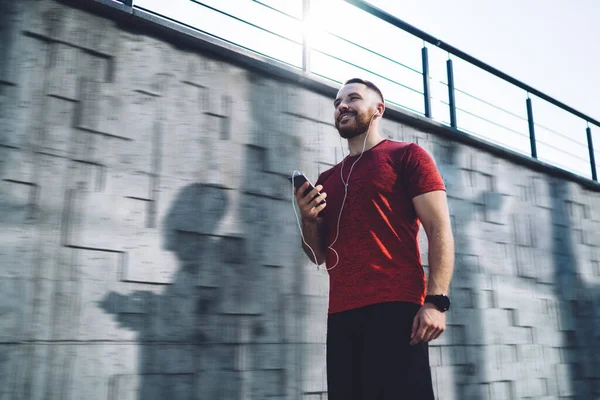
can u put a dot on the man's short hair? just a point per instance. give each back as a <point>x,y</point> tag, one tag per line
<point>368,84</point>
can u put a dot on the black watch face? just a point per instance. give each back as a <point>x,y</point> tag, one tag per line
<point>444,302</point>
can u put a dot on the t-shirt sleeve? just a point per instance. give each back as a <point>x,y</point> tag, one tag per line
<point>421,175</point>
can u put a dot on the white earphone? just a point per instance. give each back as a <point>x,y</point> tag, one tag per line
<point>346,182</point>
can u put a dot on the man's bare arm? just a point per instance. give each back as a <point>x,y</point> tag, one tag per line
<point>312,226</point>
<point>314,236</point>
<point>432,210</point>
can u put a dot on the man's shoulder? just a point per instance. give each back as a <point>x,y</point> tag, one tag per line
<point>398,150</point>
<point>394,145</point>
<point>323,176</point>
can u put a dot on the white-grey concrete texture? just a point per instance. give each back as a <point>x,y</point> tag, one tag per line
<point>149,249</point>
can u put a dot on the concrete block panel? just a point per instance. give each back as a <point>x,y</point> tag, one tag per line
<point>77,28</point>
<point>64,310</point>
<point>11,116</point>
<point>266,384</point>
<point>21,113</point>
<point>181,145</point>
<point>283,154</point>
<point>143,65</point>
<point>99,299</point>
<point>210,383</point>
<point>496,207</point>
<point>98,108</point>
<point>14,369</point>
<point>270,322</point>
<point>63,72</point>
<point>313,323</point>
<point>17,246</point>
<point>58,137</point>
<point>221,162</point>
<point>38,322</point>
<point>242,293</point>
<point>314,377</point>
<point>292,327</point>
<point>17,295</point>
<point>316,281</point>
<point>305,104</point>
<point>236,328</point>
<point>563,380</point>
<point>12,22</point>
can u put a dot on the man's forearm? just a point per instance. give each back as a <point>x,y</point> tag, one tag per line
<point>441,259</point>
<point>315,238</point>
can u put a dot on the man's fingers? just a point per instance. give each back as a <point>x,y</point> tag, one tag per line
<point>427,325</point>
<point>438,334</point>
<point>319,208</point>
<point>430,334</point>
<point>314,192</point>
<point>415,326</point>
<point>317,200</point>
<point>314,211</point>
<point>419,335</point>
<point>305,199</point>
<point>300,192</point>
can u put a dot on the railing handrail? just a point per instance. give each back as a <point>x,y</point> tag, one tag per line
<point>307,73</point>
<point>397,22</point>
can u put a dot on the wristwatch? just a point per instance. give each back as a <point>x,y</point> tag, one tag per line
<point>440,301</point>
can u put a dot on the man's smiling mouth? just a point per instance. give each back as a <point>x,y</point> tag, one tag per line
<point>346,116</point>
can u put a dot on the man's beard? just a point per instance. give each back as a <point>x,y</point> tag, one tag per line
<point>359,126</point>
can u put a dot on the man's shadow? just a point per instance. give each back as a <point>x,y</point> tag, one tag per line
<point>171,324</point>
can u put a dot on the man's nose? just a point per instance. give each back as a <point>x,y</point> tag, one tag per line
<point>342,106</point>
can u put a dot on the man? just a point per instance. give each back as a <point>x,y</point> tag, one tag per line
<point>379,320</point>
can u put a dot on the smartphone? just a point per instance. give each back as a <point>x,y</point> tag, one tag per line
<point>299,179</point>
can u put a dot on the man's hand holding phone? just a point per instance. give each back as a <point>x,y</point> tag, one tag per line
<point>310,200</point>
<point>312,203</point>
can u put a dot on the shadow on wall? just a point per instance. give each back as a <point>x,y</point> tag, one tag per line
<point>577,374</point>
<point>465,330</point>
<point>9,11</point>
<point>172,336</point>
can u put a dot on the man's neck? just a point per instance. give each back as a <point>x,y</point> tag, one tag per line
<point>356,144</point>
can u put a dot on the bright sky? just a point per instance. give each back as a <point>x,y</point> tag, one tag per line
<point>551,45</point>
<point>548,44</point>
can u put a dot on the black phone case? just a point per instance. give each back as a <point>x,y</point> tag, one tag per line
<point>299,180</point>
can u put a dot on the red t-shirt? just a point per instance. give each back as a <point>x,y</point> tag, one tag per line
<point>378,247</point>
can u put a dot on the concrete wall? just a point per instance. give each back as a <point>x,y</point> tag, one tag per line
<point>148,246</point>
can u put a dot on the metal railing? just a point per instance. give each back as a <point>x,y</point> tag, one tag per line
<point>590,153</point>
<point>434,79</point>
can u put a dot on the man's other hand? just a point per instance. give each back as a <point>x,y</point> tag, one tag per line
<point>429,324</point>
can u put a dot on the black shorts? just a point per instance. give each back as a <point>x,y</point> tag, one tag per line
<point>369,356</point>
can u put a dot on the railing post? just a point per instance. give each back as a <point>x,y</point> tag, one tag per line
<point>426,88</point>
<point>305,41</point>
<point>451,99</point>
<point>592,155</point>
<point>128,3</point>
<point>531,128</point>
